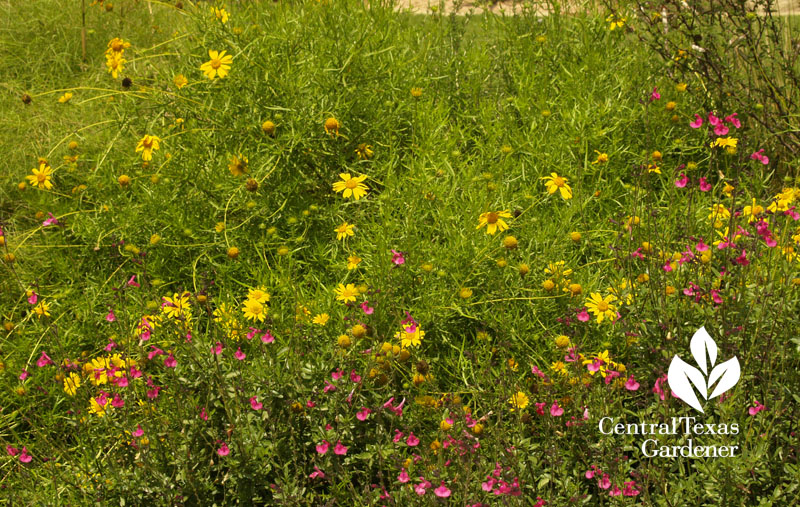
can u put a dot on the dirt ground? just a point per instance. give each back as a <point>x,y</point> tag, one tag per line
<point>791,7</point>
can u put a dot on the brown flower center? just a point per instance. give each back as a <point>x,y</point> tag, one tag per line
<point>558,181</point>
<point>216,63</point>
<point>492,217</point>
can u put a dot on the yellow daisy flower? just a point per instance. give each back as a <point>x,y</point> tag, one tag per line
<point>556,183</point>
<point>147,145</point>
<point>343,231</point>
<point>493,220</point>
<point>346,293</point>
<point>601,306</point>
<point>41,177</point>
<point>218,66</point>
<point>351,186</point>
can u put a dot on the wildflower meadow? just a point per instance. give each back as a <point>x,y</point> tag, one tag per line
<point>335,252</point>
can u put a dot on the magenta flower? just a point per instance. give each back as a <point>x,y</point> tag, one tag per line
<point>705,186</point>
<point>412,440</point>
<point>267,337</point>
<point>316,474</point>
<point>701,246</point>
<point>629,489</point>
<point>742,259</point>
<point>363,414</point>
<point>154,352</point>
<point>255,403</point>
<point>33,298</point>
<point>398,435</point>
<point>336,375</point>
<point>442,491</point>
<point>170,361</point>
<point>50,221</point>
<point>44,360</point>
<point>329,387</point>
<point>117,402</point>
<point>721,130</point>
<point>355,377</point>
<point>615,491</point>
<point>536,371</point>
<point>759,155</point>
<point>682,181</point>
<point>631,384</point>
<point>239,354</point>
<point>203,414</point>
<point>658,389</point>
<point>697,123</point>
<point>223,450</point>
<point>716,297</point>
<point>24,457</point>
<point>132,282</point>
<point>217,349</point>
<point>24,374</point>
<point>339,449</point>
<point>555,410</point>
<point>654,95</point>
<point>756,409</point>
<point>733,120</point>
<point>398,258</point>
<point>583,315</point>
<point>366,308</point>
<point>604,482</point>
<point>713,120</point>
<point>323,447</point>
<point>421,488</point>
<point>110,317</point>
<point>138,432</point>
<point>403,477</point>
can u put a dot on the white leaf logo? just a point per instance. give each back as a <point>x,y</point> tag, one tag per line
<point>684,378</point>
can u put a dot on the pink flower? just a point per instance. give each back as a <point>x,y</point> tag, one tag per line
<point>362,414</point>
<point>721,130</point>
<point>117,402</point>
<point>44,360</point>
<point>442,491</point>
<point>24,374</point>
<point>629,489</point>
<point>615,491</point>
<point>339,449</point>
<point>716,297</point>
<point>701,246</point>
<point>403,477</point>
<point>759,155</point>
<point>398,435</point>
<point>170,361</point>
<point>536,371</point>
<point>239,354</point>
<point>705,186</point>
<point>713,120</point>
<point>110,317</point>
<point>217,349</point>
<point>756,409</point>
<point>255,403</point>
<point>316,474</point>
<point>412,440</point>
<point>323,447</point>
<point>682,181</point>
<point>697,123</point>
<point>50,221</point>
<point>132,282</point>
<point>203,414</point>
<point>590,473</point>
<point>654,95</point>
<point>267,337</point>
<point>336,375</point>
<point>658,389</point>
<point>733,120</point>
<point>12,451</point>
<point>366,308</point>
<point>539,502</point>
<point>33,298</point>
<point>355,377</point>
<point>742,259</point>
<point>109,346</point>
<point>555,410</point>
<point>25,457</point>
<point>583,315</point>
<point>223,450</point>
<point>138,432</point>
<point>631,384</point>
<point>154,352</point>
<point>398,258</point>
<point>421,488</point>
<point>604,482</point>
